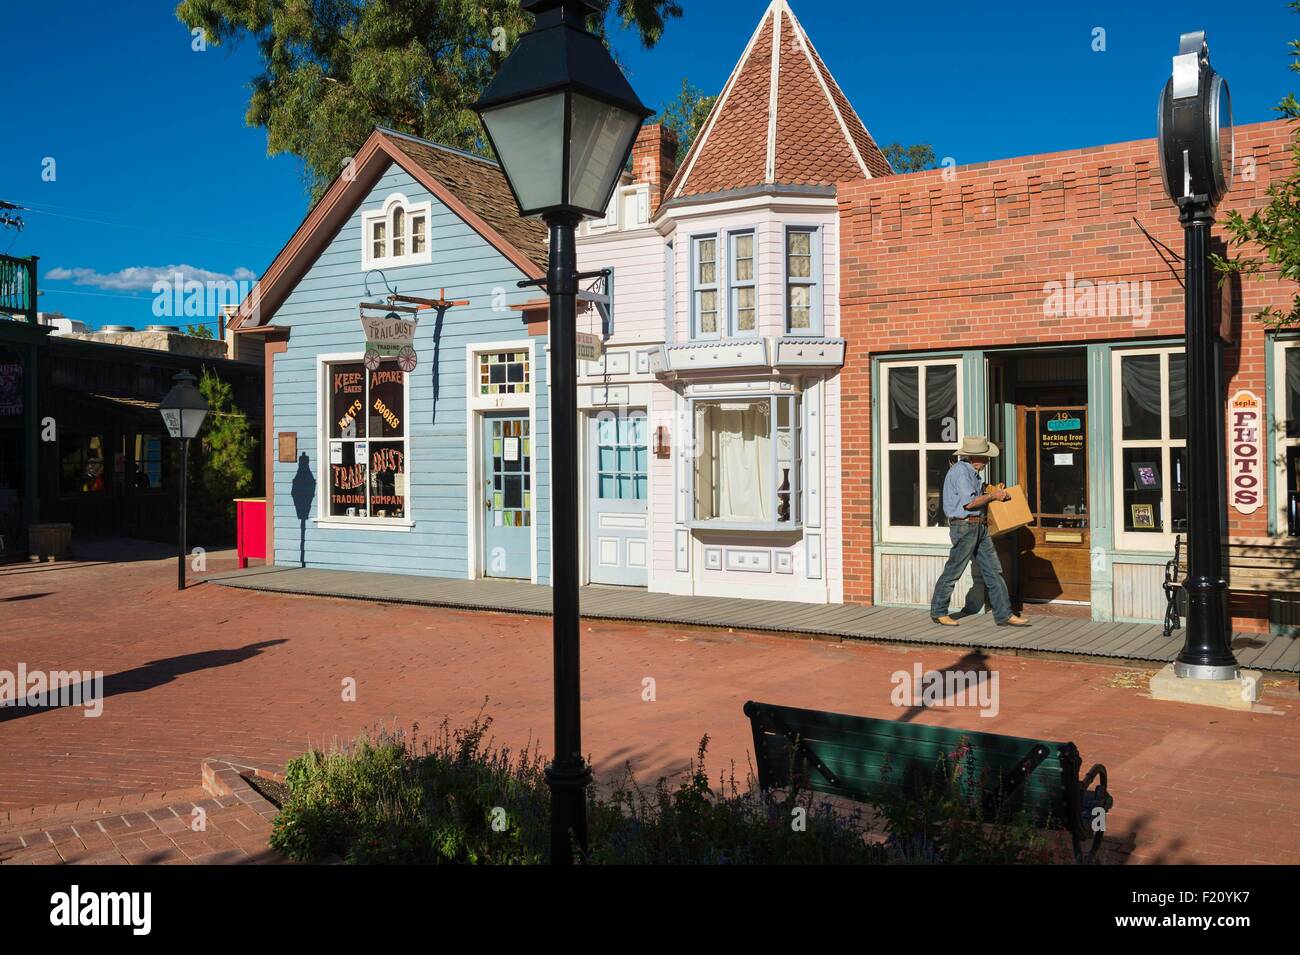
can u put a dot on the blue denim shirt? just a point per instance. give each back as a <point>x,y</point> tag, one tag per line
<point>962,485</point>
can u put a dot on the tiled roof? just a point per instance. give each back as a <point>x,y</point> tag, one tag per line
<point>798,130</point>
<point>480,185</point>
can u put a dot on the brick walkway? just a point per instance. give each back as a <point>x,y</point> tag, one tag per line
<point>262,676</point>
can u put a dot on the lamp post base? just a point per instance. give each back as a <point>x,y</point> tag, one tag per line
<point>1237,693</point>
<point>1196,671</point>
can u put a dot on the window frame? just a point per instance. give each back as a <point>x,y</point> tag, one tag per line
<point>796,426</point>
<point>913,533</point>
<point>1133,541</point>
<point>386,213</point>
<point>813,283</point>
<point>323,516</point>
<point>734,284</point>
<point>715,287</point>
<point>1282,443</point>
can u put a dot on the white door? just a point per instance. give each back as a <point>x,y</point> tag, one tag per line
<point>618,545</point>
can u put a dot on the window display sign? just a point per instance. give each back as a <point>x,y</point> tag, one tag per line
<point>1246,454</point>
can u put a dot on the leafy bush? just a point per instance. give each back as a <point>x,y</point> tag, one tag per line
<point>457,798</point>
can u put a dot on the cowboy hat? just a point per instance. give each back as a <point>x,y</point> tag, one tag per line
<point>977,446</point>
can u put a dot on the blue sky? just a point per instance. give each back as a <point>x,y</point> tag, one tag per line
<point>155,167</point>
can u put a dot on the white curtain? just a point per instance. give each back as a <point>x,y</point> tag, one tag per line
<point>734,469</point>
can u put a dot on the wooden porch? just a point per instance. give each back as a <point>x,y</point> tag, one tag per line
<point>1053,635</point>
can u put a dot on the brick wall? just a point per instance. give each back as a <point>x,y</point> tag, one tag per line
<point>966,258</point>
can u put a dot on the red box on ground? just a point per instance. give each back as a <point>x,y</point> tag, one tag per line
<point>250,528</point>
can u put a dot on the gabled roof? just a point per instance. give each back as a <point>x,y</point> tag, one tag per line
<point>470,186</point>
<point>781,119</point>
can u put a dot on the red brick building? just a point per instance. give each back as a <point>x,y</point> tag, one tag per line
<point>1039,300</point>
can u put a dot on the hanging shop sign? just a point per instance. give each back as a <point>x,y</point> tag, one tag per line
<point>1246,452</point>
<point>389,335</point>
<point>590,347</point>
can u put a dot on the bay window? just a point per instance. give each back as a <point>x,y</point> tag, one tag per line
<point>1149,389</point>
<point>920,430</point>
<point>740,279</point>
<point>704,287</point>
<point>366,437</point>
<point>802,280</point>
<point>747,462</point>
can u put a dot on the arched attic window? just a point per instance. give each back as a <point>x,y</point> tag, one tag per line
<point>395,234</point>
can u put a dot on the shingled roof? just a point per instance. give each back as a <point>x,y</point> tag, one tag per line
<point>473,188</point>
<point>781,119</point>
<point>480,184</point>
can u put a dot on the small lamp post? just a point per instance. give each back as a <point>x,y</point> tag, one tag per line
<point>183,410</point>
<point>562,119</point>
<point>1196,163</point>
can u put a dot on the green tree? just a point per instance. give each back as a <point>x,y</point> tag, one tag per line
<point>225,469</point>
<point>332,70</point>
<point>910,158</point>
<point>1273,229</point>
<point>198,331</point>
<point>686,114</point>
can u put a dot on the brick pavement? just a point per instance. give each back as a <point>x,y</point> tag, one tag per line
<point>261,676</point>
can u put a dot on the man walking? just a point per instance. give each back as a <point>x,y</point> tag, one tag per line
<point>965,498</point>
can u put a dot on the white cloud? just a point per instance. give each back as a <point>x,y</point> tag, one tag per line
<point>140,277</point>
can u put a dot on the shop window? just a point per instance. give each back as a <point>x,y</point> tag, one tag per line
<point>1151,425</point>
<point>704,286</point>
<point>1289,436</point>
<point>747,462</point>
<point>621,457</point>
<point>503,373</point>
<point>395,234</point>
<point>82,467</point>
<point>367,441</point>
<point>148,469</point>
<point>920,433</point>
<point>802,281</point>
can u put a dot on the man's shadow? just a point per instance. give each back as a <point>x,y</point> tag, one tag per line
<point>303,492</point>
<point>152,674</point>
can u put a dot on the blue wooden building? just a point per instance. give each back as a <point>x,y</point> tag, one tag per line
<point>441,468</point>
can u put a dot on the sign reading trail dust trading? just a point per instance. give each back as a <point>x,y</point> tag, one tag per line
<point>389,336</point>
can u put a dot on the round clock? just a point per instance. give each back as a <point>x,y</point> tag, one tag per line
<point>1194,123</point>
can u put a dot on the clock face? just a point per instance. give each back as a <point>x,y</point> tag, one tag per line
<point>1222,140</point>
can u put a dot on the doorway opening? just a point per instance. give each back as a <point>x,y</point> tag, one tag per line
<point>1039,415</point>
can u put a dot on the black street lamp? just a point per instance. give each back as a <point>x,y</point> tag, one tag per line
<point>183,410</point>
<point>1196,162</point>
<point>562,119</point>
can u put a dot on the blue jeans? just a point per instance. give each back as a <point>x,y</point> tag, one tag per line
<point>971,542</point>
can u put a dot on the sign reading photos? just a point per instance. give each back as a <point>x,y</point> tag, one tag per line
<point>367,440</point>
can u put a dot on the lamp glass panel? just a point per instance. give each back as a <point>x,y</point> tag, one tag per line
<point>529,140</point>
<point>191,421</point>
<point>601,135</point>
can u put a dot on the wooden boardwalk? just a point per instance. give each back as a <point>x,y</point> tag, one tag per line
<point>1063,635</point>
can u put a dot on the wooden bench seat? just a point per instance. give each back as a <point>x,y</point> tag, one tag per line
<point>1253,565</point>
<point>871,760</point>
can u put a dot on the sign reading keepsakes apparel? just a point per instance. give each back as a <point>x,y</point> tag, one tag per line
<point>1246,458</point>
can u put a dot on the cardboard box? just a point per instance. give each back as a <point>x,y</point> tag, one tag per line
<point>1008,516</point>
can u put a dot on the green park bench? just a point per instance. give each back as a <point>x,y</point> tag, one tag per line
<point>846,756</point>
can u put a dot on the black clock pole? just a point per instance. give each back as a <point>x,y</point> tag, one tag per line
<point>1207,649</point>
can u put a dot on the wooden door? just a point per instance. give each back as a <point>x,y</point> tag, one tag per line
<point>1055,550</point>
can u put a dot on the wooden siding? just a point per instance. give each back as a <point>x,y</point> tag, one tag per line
<point>322,312</point>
